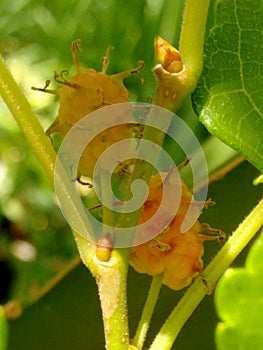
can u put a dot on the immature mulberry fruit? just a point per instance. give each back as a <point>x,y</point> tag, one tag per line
<point>84,93</point>
<point>177,255</point>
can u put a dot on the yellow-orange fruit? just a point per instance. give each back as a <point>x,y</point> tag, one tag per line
<point>84,93</point>
<point>177,255</point>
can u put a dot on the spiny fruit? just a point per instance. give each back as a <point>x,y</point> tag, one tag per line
<point>86,92</point>
<point>174,254</point>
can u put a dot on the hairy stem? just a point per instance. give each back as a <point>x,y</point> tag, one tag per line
<point>42,148</point>
<point>38,141</point>
<point>116,269</point>
<point>192,36</point>
<point>174,88</point>
<point>194,295</point>
<point>148,309</point>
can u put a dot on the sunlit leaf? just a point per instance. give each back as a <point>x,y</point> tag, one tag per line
<point>229,95</point>
<point>240,305</point>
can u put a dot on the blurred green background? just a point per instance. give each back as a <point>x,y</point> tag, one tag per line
<point>35,242</point>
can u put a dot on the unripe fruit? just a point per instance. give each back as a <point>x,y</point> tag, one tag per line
<point>174,254</point>
<point>84,93</point>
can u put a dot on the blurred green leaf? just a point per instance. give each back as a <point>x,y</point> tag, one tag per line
<point>229,94</point>
<point>239,304</point>
<point>3,329</point>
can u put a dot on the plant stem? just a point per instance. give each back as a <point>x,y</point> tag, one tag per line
<point>173,88</point>
<point>148,309</point>
<point>194,295</point>
<point>111,279</point>
<point>112,284</point>
<point>106,195</point>
<point>192,36</point>
<point>37,139</point>
<point>112,276</point>
<point>27,121</point>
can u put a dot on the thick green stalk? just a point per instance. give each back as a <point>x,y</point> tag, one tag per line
<point>194,295</point>
<point>38,140</point>
<point>111,277</point>
<point>192,36</point>
<point>173,88</point>
<point>171,91</point>
<point>117,268</point>
<point>112,284</point>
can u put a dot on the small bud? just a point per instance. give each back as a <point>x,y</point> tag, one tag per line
<point>167,55</point>
<point>104,248</point>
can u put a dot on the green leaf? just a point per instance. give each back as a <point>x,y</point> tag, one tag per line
<point>3,329</point>
<point>240,304</point>
<point>229,94</point>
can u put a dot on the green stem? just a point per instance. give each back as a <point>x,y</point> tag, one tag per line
<point>143,170</point>
<point>148,309</point>
<point>194,295</point>
<point>106,196</point>
<point>111,275</point>
<point>112,286</point>
<point>116,269</point>
<point>192,36</point>
<point>27,121</point>
<point>38,140</point>
<point>174,88</point>
<point>111,278</point>
<point>178,85</point>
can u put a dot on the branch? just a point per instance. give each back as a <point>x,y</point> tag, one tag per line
<point>195,294</point>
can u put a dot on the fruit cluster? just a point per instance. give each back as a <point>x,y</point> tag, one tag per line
<point>84,93</point>
<point>172,253</point>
